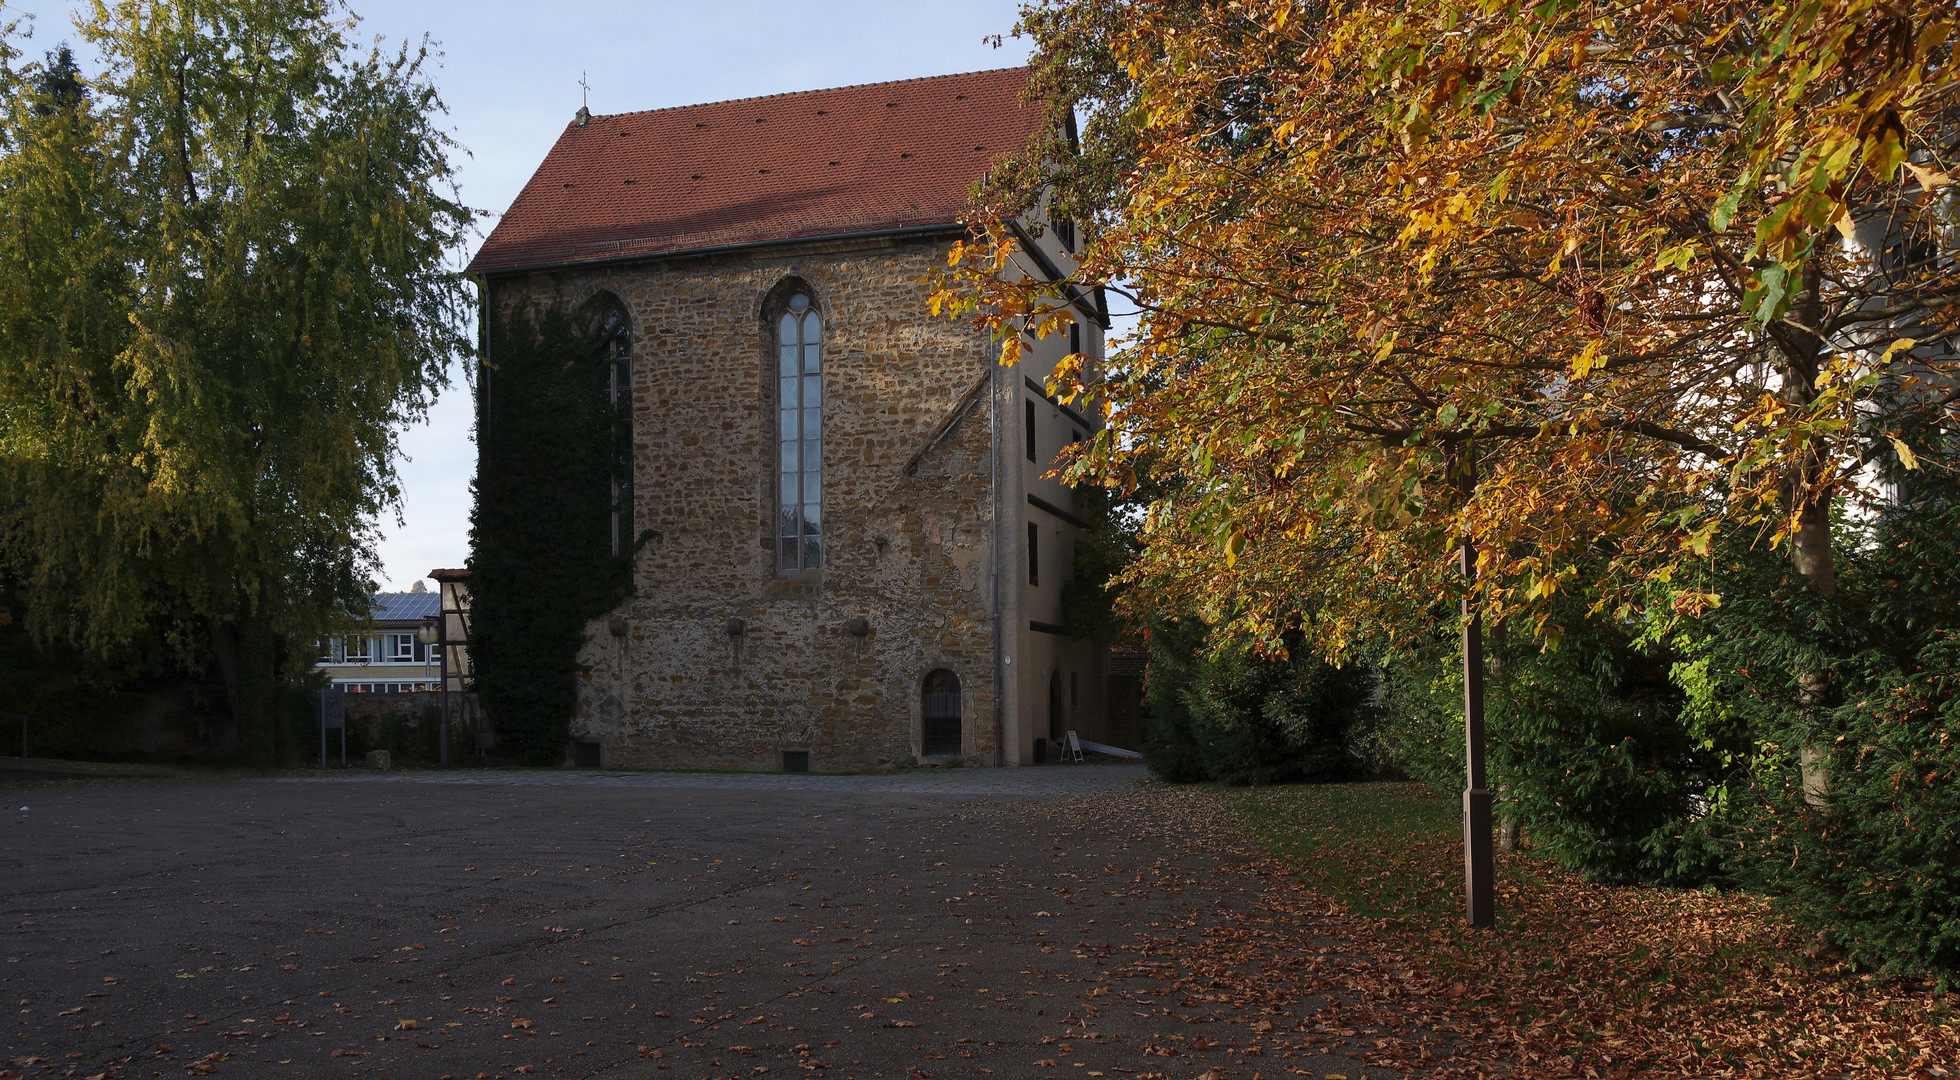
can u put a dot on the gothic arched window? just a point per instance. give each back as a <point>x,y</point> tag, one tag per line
<point>617,332</point>
<point>799,433</point>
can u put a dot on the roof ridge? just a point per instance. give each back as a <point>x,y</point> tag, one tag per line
<point>801,93</point>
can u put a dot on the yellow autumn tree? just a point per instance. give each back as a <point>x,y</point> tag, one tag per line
<point>1585,283</point>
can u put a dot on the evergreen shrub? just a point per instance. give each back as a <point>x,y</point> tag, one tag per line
<point>1873,866</point>
<point>1585,747</point>
<point>1593,760</point>
<point>1876,869</point>
<point>1220,711</point>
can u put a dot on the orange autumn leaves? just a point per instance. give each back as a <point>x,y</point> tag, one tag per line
<point>1582,979</point>
<point>1589,282</point>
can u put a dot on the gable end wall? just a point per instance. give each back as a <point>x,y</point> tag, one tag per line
<point>677,691</point>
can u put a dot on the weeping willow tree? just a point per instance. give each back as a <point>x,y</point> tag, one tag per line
<point>225,284</point>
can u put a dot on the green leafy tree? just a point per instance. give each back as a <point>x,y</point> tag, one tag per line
<point>1090,598</point>
<point>226,284</point>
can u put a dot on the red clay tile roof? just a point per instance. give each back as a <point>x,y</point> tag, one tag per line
<point>821,163</point>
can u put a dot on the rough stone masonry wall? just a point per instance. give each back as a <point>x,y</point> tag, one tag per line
<point>908,554</point>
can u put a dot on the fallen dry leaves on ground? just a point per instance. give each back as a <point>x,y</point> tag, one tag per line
<point>1577,980</point>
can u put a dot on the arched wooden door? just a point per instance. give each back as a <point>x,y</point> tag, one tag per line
<point>940,715</point>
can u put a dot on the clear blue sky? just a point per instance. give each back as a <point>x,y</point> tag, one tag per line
<point>510,75</point>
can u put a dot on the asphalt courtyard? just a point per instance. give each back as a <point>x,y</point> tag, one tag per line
<point>938,923</point>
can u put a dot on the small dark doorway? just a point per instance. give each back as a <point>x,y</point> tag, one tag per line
<point>940,717</point>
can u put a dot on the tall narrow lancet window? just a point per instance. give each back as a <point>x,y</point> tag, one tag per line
<point>618,335</point>
<point>799,431</point>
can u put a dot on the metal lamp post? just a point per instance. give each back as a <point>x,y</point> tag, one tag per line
<point>1479,863</point>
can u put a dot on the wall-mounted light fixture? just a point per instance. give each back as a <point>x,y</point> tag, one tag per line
<point>617,627</point>
<point>858,627</point>
<point>735,627</point>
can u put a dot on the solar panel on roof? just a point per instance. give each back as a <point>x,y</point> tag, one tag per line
<point>395,607</point>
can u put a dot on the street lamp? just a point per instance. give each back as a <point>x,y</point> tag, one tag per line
<point>1479,869</point>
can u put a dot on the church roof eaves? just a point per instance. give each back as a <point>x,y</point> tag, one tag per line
<point>891,158</point>
<point>702,251</point>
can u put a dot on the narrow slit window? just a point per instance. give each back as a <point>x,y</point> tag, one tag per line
<point>1034,555</point>
<point>1030,426</point>
<point>799,431</point>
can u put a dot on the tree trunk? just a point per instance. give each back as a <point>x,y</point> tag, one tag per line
<point>224,645</point>
<point>1807,498</point>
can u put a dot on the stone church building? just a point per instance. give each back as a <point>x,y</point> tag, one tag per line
<point>857,560</point>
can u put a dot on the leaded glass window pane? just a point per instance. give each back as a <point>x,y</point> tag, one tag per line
<point>799,421</point>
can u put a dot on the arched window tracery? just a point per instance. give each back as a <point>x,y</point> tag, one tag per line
<point>799,432</point>
<point>616,331</point>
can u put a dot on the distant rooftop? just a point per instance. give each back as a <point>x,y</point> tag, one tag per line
<point>405,606</point>
<point>858,159</point>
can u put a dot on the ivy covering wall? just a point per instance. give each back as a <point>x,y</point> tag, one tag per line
<point>541,561</point>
